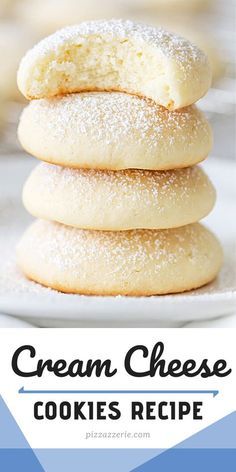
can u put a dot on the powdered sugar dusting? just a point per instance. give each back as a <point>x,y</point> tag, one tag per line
<point>169,44</point>
<point>152,188</point>
<point>14,284</point>
<point>67,248</point>
<point>109,118</point>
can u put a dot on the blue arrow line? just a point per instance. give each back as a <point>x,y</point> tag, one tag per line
<point>209,392</point>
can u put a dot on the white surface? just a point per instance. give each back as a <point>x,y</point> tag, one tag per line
<point>46,307</point>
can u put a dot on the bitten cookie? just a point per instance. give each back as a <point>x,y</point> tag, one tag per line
<point>113,131</point>
<point>187,27</point>
<point>118,200</point>
<point>138,262</point>
<point>120,56</point>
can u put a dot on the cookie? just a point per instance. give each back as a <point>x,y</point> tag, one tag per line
<point>189,29</point>
<point>114,131</point>
<point>137,263</point>
<point>118,200</point>
<point>116,55</point>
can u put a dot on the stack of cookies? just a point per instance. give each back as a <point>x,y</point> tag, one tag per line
<point>118,195</point>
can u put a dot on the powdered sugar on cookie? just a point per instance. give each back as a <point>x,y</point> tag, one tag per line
<point>116,55</point>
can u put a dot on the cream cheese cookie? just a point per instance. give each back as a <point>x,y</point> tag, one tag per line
<point>114,131</point>
<point>188,28</point>
<point>116,55</point>
<point>138,262</point>
<point>204,40</point>
<point>118,200</point>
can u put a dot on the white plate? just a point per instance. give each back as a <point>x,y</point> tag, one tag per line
<point>46,307</point>
<point>7,321</point>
